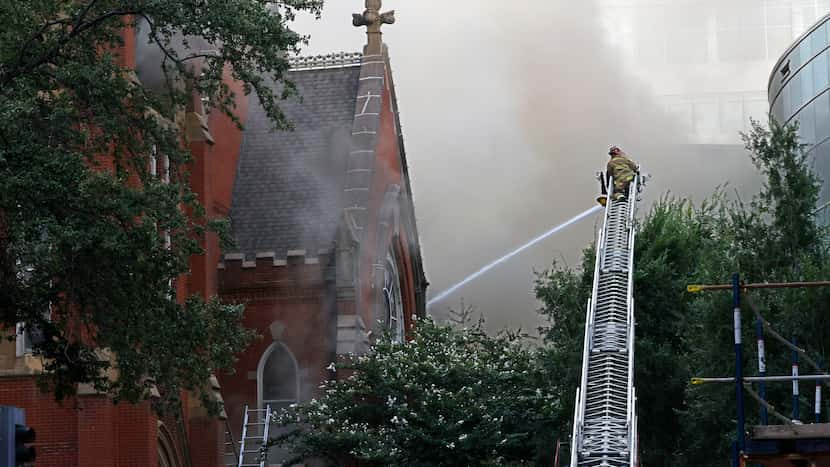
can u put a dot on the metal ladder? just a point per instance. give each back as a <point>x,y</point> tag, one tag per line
<point>254,435</point>
<point>605,422</point>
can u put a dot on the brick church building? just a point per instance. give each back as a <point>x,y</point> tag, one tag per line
<point>328,257</point>
<point>328,251</point>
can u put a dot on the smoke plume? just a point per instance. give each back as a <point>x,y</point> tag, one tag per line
<point>508,112</point>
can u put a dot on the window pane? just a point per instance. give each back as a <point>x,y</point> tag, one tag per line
<point>818,38</point>
<point>820,72</point>
<point>795,93</point>
<point>706,118</point>
<point>779,16</point>
<point>778,110</point>
<point>795,60</point>
<point>752,17</point>
<point>822,109</point>
<point>806,75</point>
<point>753,44</point>
<point>279,376</point>
<point>822,166</point>
<point>729,45</point>
<point>687,45</point>
<point>807,125</point>
<point>651,50</point>
<point>805,50</point>
<point>732,116</point>
<point>786,107</point>
<point>682,114</point>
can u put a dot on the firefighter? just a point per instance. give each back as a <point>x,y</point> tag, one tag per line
<point>622,170</point>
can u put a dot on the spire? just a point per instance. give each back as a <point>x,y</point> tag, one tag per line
<point>373,19</point>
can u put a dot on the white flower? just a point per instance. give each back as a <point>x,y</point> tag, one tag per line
<point>451,445</point>
<point>463,437</point>
<point>331,367</point>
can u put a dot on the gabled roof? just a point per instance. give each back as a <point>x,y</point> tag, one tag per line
<point>289,183</point>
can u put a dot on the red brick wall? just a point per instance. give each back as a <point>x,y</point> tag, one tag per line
<point>97,432</point>
<point>208,444</point>
<point>88,431</point>
<point>137,436</point>
<point>212,176</point>
<point>295,295</point>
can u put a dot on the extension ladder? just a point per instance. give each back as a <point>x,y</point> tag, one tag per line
<point>605,422</point>
<point>253,450</point>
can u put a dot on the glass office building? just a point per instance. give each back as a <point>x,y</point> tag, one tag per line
<point>707,60</point>
<point>799,91</point>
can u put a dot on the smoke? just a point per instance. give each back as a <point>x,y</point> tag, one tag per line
<point>508,112</point>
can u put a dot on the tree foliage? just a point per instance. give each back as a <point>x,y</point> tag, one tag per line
<point>446,397</point>
<point>83,255</point>
<point>774,237</point>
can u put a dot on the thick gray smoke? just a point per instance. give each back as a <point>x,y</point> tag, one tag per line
<point>508,113</point>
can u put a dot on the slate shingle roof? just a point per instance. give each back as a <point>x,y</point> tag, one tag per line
<point>288,183</point>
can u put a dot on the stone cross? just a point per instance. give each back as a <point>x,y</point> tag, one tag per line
<point>373,19</point>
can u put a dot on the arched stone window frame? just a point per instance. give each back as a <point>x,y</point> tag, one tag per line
<point>167,456</point>
<point>261,368</point>
<point>394,317</point>
<point>390,251</point>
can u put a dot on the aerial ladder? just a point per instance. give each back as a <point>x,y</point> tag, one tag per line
<point>605,420</point>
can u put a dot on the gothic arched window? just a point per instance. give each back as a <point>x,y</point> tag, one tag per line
<point>277,377</point>
<point>166,450</point>
<point>393,317</point>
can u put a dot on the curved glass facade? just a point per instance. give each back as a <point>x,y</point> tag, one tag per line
<point>799,90</point>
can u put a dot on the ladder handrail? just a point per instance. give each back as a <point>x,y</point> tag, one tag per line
<point>244,436</point>
<point>229,433</point>
<point>631,421</point>
<point>263,448</point>
<point>632,413</point>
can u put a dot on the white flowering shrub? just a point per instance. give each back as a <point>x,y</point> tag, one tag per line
<point>447,397</point>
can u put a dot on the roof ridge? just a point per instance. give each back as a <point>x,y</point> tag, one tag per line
<point>330,60</point>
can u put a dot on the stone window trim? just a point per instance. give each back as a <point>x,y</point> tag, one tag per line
<point>276,345</point>
<point>166,448</point>
<point>394,314</point>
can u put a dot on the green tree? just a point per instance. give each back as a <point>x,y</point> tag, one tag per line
<point>83,255</point>
<point>446,397</point>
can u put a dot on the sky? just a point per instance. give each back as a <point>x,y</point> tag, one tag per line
<point>507,114</point>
